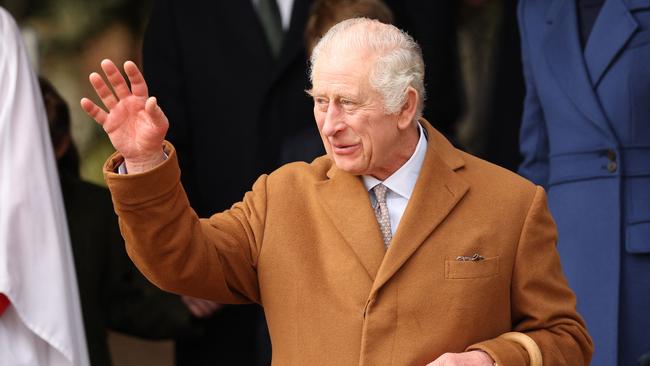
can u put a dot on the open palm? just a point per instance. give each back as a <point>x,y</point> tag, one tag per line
<point>135,124</point>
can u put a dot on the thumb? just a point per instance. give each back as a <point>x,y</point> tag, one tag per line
<point>155,112</point>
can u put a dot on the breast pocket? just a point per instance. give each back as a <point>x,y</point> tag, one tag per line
<point>456,269</point>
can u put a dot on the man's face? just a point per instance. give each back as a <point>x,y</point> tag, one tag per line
<point>357,133</point>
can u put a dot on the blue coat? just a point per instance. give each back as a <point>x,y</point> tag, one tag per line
<point>586,137</point>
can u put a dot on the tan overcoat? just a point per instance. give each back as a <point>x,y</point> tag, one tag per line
<point>305,244</point>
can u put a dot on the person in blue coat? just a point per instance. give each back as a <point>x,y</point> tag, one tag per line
<point>585,137</point>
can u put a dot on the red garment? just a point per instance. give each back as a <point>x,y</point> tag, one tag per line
<point>4,303</point>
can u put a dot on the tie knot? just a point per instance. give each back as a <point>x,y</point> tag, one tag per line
<point>380,192</point>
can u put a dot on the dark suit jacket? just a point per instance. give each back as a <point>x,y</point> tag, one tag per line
<point>586,137</point>
<point>113,294</point>
<point>231,106</point>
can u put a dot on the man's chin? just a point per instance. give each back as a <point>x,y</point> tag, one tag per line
<point>348,166</point>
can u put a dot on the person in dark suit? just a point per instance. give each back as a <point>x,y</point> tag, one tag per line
<point>199,45</point>
<point>202,56</point>
<point>114,295</point>
<point>585,136</point>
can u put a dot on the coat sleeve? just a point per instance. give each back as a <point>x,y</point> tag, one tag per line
<point>542,304</point>
<point>213,259</point>
<point>533,138</point>
<point>135,306</point>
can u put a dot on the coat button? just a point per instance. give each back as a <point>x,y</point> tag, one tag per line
<point>611,154</point>
<point>611,166</point>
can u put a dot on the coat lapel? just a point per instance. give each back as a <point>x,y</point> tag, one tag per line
<point>436,193</point>
<point>611,31</point>
<point>564,56</point>
<point>345,200</point>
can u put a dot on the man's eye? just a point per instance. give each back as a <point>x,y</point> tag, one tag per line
<point>346,102</point>
<point>320,101</point>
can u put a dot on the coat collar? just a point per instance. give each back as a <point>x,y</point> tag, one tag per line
<point>436,193</point>
<point>611,31</point>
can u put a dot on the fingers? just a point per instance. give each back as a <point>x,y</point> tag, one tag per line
<point>102,90</point>
<point>116,79</point>
<point>93,110</point>
<point>120,89</point>
<point>138,85</point>
<point>152,108</point>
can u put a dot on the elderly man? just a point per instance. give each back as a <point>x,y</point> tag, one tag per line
<point>395,248</point>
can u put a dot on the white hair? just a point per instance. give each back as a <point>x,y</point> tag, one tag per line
<point>398,63</point>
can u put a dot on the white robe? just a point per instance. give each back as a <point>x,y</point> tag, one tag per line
<point>43,325</point>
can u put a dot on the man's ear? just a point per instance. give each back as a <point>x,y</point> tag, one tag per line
<point>407,112</point>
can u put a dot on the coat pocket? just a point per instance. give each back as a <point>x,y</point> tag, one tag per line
<point>455,269</point>
<point>637,237</point>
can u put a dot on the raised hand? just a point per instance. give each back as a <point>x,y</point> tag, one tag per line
<point>134,122</point>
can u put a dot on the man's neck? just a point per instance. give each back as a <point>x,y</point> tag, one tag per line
<point>409,143</point>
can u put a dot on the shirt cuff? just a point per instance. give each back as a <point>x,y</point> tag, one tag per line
<point>121,169</point>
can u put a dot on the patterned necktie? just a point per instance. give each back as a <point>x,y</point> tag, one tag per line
<point>381,212</point>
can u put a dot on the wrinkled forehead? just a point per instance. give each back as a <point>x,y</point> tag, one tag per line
<point>347,70</point>
<point>344,58</point>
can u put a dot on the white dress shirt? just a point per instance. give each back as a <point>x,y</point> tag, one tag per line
<point>285,6</point>
<point>400,184</point>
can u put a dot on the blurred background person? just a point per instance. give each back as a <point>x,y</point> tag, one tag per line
<point>585,136</point>
<point>114,295</point>
<point>40,317</point>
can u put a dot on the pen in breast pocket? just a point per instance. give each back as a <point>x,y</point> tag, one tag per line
<point>474,258</point>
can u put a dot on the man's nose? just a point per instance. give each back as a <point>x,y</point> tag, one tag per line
<point>333,120</point>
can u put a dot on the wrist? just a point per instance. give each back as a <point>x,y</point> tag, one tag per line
<point>134,166</point>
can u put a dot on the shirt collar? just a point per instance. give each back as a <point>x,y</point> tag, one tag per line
<point>403,180</point>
